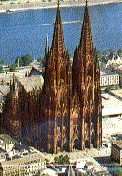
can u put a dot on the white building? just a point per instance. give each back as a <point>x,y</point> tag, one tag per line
<point>111,105</point>
<point>109,80</point>
<point>28,165</point>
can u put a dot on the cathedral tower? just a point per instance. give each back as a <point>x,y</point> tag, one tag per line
<point>55,94</point>
<point>86,108</point>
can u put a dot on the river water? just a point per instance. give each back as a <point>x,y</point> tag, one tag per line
<point>25,32</point>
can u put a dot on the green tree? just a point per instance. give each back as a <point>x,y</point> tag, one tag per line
<point>111,54</point>
<point>41,61</point>
<point>66,159</point>
<point>104,57</point>
<point>26,60</point>
<point>12,67</point>
<point>56,159</point>
<point>2,61</point>
<point>105,53</point>
<point>62,160</point>
<point>1,69</point>
<point>119,52</point>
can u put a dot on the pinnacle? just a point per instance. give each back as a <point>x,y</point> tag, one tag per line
<point>86,35</point>
<point>58,46</point>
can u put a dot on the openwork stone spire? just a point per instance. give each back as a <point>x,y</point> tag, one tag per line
<point>55,93</point>
<point>86,36</point>
<point>86,89</point>
<point>56,59</point>
<point>58,46</point>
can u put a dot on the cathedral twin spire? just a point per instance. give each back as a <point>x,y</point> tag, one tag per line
<point>58,45</point>
<point>86,35</point>
<point>69,96</point>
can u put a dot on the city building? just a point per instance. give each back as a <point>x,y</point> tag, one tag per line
<point>109,79</point>
<point>28,165</point>
<point>66,112</point>
<point>89,166</point>
<point>115,62</point>
<point>116,151</point>
<point>112,103</point>
<point>114,65</point>
<point>34,71</point>
<point>111,126</point>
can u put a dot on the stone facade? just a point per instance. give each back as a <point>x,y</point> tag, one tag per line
<point>66,113</point>
<point>86,90</point>
<point>30,164</point>
<point>56,92</point>
<point>71,96</point>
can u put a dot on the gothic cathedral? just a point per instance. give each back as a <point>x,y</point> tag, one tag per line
<point>66,113</point>
<point>71,96</point>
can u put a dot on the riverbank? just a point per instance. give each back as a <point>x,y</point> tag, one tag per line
<point>13,6</point>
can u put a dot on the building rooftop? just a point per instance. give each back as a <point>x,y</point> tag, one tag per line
<point>4,83</point>
<point>5,77</point>
<point>111,105</point>
<point>35,71</point>
<point>49,171</point>
<point>31,83</point>
<point>94,168</point>
<point>22,161</point>
<point>117,92</point>
<point>111,126</point>
<point>107,73</point>
<point>118,143</point>
<point>4,89</point>
<point>99,173</point>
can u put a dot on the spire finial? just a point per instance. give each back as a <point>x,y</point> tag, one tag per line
<point>58,3</point>
<point>86,3</point>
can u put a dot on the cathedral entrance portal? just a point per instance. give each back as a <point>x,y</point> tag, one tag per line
<point>93,139</point>
<point>76,144</point>
<point>87,144</point>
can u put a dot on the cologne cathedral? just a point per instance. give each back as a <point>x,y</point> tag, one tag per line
<point>66,113</point>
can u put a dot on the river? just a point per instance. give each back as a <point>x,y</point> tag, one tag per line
<point>25,32</point>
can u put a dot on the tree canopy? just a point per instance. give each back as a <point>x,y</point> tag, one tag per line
<point>119,52</point>
<point>1,69</point>
<point>12,67</point>
<point>2,61</point>
<point>24,60</point>
<point>42,62</point>
<point>62,160</point>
